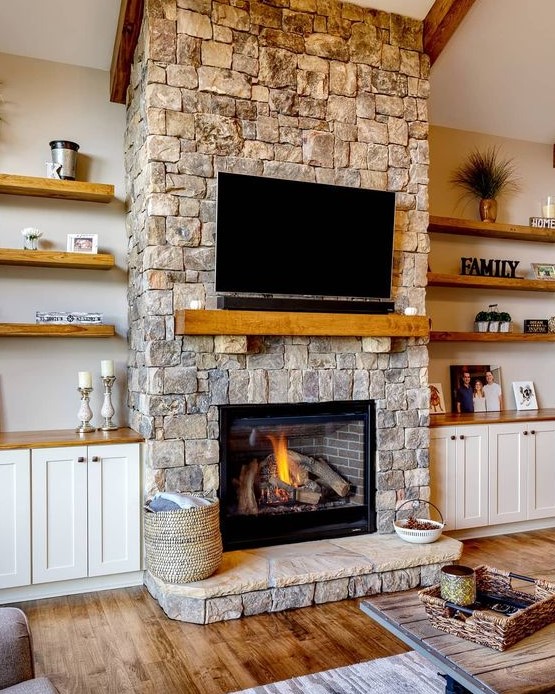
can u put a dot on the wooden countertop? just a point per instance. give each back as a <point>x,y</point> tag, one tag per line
<point>505,416</point>
<point>66,437</point>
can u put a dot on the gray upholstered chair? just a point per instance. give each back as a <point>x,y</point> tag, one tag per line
<point>17,665</point>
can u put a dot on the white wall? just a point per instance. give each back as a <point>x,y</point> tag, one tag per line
<point>43,101</point>
<point>454,309</point>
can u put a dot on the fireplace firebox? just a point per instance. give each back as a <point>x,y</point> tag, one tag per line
<point>296,472</point>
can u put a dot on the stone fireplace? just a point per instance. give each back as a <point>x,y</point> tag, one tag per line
<point>320,91</point>
<point>315,90</point>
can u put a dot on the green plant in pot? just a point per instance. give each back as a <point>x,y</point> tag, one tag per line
<point>504,322</point>
<point>486,176</point>
<point>494,318</point>
<point>481,321</point>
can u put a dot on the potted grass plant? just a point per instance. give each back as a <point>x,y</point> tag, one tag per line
<point>485,176</point>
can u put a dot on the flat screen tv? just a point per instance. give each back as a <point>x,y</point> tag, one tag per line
<point>294,240</point>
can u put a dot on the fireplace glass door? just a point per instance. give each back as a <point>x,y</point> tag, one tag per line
<point>296,472</point>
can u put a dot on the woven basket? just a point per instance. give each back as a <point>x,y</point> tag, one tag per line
<point>484,626</point>
<point>183,545</point>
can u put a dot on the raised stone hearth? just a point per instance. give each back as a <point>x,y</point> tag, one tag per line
<point>272,579</point>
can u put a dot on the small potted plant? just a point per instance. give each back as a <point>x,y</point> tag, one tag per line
<point>31,238</point>
<point>504,322</point>
<point>481,321</point>
<point>494,318</point>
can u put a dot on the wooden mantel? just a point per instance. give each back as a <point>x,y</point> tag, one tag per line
<point>224,322</point>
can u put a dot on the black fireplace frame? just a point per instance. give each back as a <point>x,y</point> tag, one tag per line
<point>237,530</point>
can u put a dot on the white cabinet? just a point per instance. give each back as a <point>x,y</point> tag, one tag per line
<point>485,475</point>
<point>459,475</point>
<point>85,511</point>
<point>508,465</point>
<point>522,471</point>
<point>541,470</point>
<point>15,527</point>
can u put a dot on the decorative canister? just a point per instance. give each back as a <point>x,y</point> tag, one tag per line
<point>458,584</point>
<point>64,154</point>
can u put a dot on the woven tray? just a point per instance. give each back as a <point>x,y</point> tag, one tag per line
<point>485,626</point>
<point>183,545</point>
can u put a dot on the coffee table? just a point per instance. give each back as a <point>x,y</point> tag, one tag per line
<point>528,667</point>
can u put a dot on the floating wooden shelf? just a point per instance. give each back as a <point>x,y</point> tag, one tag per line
<point>436,279</point>
<point>84,261</point>
<point>55,330</point>
<point>447,336</point>
<point>54,188</point>
<point>222,322</point>
<point>466,227</point>
<point>503,416</point>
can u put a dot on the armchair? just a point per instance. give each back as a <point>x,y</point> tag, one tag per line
<point>17,666</point>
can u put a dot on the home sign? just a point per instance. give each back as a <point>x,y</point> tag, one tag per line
<point>488,268</point>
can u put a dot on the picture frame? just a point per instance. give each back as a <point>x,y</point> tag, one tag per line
<point>82,243</point>
<point>525,395</point>
<point>462,393</point>
<point>437,401</point>
<point>543,271</point>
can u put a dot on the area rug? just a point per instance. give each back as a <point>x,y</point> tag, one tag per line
<point>408,673</point>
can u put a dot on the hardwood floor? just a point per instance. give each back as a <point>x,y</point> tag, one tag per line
<point>121,641</point>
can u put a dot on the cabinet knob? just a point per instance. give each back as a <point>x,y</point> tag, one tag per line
<point>453,437</point>
<point>525,433</point>
<point>461,437</point>
<point>533,431</point>
<point>80,459</point>
<point>95,459</point>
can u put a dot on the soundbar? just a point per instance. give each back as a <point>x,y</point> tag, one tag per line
<point>248,303</point>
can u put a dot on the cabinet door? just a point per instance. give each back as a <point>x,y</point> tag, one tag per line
<point>443,443</point>
<point>114,509</point>
<point>508,470</point>
<point>59,503</point>
<point>471,477</point>
<point>541,469</point>
<point>15,528</point>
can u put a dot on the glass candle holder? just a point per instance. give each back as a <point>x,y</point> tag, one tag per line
<point>548,206</point>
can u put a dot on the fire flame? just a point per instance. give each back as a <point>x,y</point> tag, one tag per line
<point>287,468</point>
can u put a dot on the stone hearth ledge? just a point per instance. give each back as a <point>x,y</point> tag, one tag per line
<point>272,579</point>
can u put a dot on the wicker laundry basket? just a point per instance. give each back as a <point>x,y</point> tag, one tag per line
<point>185,544</point>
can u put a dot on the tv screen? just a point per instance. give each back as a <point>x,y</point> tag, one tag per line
<point>287,238</point>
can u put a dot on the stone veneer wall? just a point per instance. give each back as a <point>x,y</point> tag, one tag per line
<point>315,90</point>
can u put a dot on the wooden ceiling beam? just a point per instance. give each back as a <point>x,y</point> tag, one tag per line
<point>440,24</point>
<point>127,35</point>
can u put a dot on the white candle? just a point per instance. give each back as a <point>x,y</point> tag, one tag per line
<point>85,379</point>
<point>549,210</point>
<point>107,367</point>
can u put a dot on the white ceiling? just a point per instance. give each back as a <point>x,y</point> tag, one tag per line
<point>495,76</point>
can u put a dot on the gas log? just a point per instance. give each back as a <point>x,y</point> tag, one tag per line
<point>310,477</point>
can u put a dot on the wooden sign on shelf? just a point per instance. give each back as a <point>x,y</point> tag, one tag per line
<point>536,325</point>
<point>542,222</point>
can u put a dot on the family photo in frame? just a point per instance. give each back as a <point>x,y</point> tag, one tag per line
<point>476,388</point>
